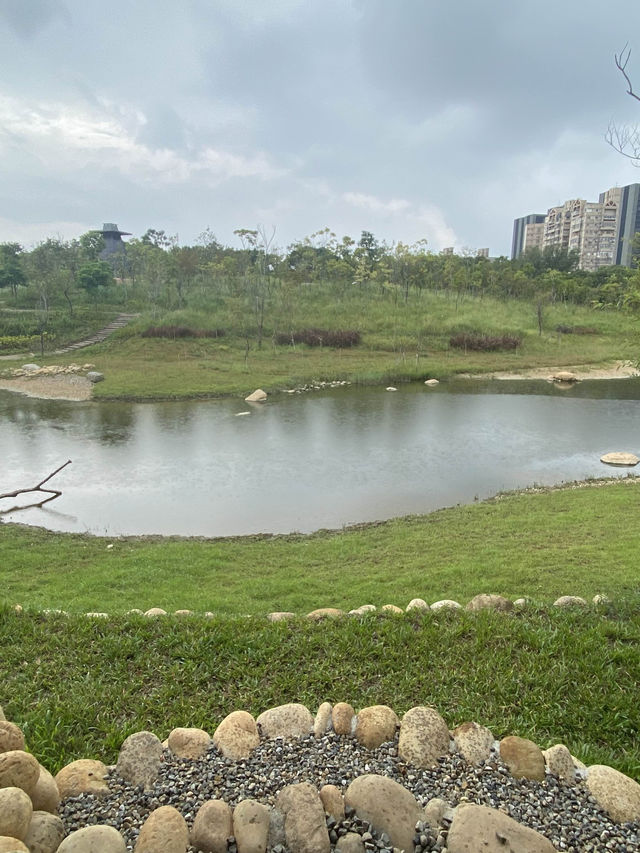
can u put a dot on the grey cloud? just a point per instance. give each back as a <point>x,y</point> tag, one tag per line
<point>27,19</point>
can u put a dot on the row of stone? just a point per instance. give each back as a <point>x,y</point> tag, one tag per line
<point>29,796</point>
<point>484,601</point>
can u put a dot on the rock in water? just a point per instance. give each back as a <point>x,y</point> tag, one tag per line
<point>258,396</point>
<point>620,459</point>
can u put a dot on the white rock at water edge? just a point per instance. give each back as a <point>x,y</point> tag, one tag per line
<point>620,459</point>
<point>258,396</point>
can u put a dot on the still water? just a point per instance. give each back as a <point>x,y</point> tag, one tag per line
<point>304,462</point>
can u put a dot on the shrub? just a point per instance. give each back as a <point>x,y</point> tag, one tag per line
<point>576,330</point>
<point>478,342</point>
<point>340,339</point>
<point>181,332</point>
<point>20,342</point>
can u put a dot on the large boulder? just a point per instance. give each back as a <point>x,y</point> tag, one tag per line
<point>11,736</point>
<point>251,826</point>
<point>19,769</point>
<point>617,794</point>
<point>212,826</point>
<point>15,812</point>
<point>45,796</point>
<point>286,721</point>
<point>620,459</point>
<point>333,801</point>
<point>424,737</point>
<point>388,806</point>
<point>341,718</point>
<point>258,396</point>
<point>476,828</point>
<point>12,845</point>
<point>139,759</point>
<point>486,601</point>
<point>94,839</point>
<point>559,762</point>
<point>45,833</point>
<point>189,743</point>
<point>322,721</point>
<point>164,830</point>
<point>84,776</point>
<point>474,742</point>
<point>305,827</point>
<point>524,758</point>
<point>237,735</point>
<point>375,725</point>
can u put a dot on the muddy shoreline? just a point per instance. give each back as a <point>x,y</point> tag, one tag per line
<point>79,388</point>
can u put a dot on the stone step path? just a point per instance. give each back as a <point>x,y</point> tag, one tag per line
<point>119,323</point>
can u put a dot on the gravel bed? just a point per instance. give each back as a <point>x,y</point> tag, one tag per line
<point>565,814</point>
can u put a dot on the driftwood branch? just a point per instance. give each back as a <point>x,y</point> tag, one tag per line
<point>52,493</point>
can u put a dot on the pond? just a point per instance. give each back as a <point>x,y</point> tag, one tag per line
<point>302,462</point>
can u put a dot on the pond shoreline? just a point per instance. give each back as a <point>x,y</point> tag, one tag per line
<point>80,389</point>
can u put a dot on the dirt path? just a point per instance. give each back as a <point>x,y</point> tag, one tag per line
<point>62,387</point>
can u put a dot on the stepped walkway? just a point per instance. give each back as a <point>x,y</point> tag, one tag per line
<point>120,321</point>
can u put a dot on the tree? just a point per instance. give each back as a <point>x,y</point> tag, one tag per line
<point>94,275</point>
<point>11,272</point>
<point>626,138</point>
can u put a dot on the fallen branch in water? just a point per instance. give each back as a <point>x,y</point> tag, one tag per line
<point>53,493</point>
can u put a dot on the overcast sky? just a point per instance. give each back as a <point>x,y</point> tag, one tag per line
<point>435,119</point>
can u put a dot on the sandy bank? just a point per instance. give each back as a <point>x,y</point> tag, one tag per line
<point>61,387</point>
<point>616,370</point>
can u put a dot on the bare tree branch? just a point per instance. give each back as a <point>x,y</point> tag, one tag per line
<point>622,59</point>
<point>53,493</point>
<point>626,139</point>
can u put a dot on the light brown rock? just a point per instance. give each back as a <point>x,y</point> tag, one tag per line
<point>11,736</point>
<point>304,821</point>
<point>258,396</point>
<point>570,601</point>
<point>164,831</point>
<point>85,775</point>
<point>286,721</point>
<point>393,609</point>
<point>332,801</point>
<point>617,794</point>
<point>19,769</point>
<point>251,826</point>
<point>564,376</point>
<point>434,812</point>
<point>487,601</point>
<point>386,805</point>
<point>375,725</point>
<point>477,828</point>
<point>424,737</point>
<point>363,610</point>
<point>2,716</point>
<point>474,742</point>
<point>280,616</point>
<point>45,796</point>
<point>446,604</point>
<point>559,762</point>
<point>237,735</point>
<point>15,812</point>
<point>431,383</point>
<point>524,759</point>
<point>189,742</point>
<point>139,759</point>
<point>155,611</point>
<point>322,721</point>
<point>417,604</point>
<point>12,845</point>
<point>620,459</point>
<point>341,718</point>
<point>601,599</point>
<point>325,613</point>
<point>350,843</point>
<point>45,833</point>
<point>183,613</point>
<point>94,839</point>
<point>212,826</point>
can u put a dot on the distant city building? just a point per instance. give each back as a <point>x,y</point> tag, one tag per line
<point>482,253</point>
<point>600,231</point>
<point>519,230</point>
<point>113,243</point>
<point>447,251</point>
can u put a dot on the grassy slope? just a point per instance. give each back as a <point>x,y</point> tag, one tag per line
<point>398,342</point>
<point>78,687</point>
<point>578,541</point>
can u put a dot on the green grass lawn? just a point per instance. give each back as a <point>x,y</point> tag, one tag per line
<point>578,541</point>
<point>79,686</point>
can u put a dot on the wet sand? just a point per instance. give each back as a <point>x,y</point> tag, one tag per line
<point>60,387</point>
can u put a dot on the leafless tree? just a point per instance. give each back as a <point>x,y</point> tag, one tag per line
<point>626,138</point>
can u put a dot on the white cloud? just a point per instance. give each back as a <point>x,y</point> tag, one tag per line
<point>376,205</point>
<point>106,140</point>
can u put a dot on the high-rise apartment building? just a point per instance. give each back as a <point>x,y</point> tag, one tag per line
<point>519,230</point>
<point>600,231</point>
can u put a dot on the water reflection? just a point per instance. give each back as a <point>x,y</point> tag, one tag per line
<point>302,462</point>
